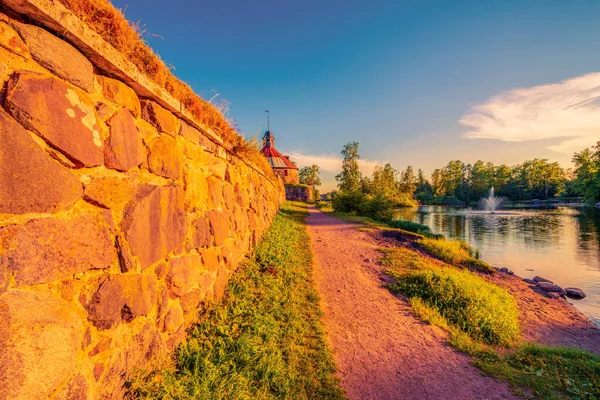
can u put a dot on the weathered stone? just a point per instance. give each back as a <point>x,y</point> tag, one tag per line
<point>503,269</point>
<point>102,346</point>
<point>228,196</point>
<point>10,40</point>
<point>220,283</point>
<point>200,234</point>
<point>39,339</point>
<point>173,319</point>
<point>98,371</point>
<point>219,226</point>
<point>124,149</point>
<point>76,389</point>
<point>530,281</point>
<point>122,298</point>
<point>183,274</point>
<point>61,116</point>
<point>241,196</point>
<point>109,192</point>
<point>165,158</point>
<point>575,293</point>
<point>154,223</point>
<point>191,300</point>
<point>161,270</point>
<point>551,288</point>
<point>190,133</point>
<point>58,56</point>
<point>119,93</point>
<point>126,261</point>
<point>232,254</point>
<point>48,249</point>
<point>537,279</point>
<point>160,118</point>
<point>104,111</point>
<point>240,219</point>
<point>30,180</point>
<point>210,260</point>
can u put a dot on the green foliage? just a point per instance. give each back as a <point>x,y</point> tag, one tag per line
<point>296,185</point>
<point>411,227</point>
<point>310,174</point>
<point>350,177</point>
<point>265,339</point>
<point>482,310</point>
<point>551,373</point>
<point>378,207</point>
<point>587,173</point>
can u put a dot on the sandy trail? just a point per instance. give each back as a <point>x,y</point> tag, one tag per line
<point>381,350</point>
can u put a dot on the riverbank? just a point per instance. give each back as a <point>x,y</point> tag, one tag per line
<point>544,323</point>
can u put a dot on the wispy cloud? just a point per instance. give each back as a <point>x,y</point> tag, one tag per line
<point>568,112</point>
<point>331,163</point>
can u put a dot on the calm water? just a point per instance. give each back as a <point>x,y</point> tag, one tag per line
<point>560,244</point>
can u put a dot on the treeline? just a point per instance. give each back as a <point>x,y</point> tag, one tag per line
<point>458,182</point>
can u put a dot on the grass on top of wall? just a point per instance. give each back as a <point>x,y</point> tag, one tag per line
<point>265,339</point>
<point>127,38</point>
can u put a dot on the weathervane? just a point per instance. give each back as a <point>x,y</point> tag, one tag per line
<point>268,120</point>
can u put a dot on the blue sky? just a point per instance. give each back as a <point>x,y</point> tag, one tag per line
<point>414,82</point>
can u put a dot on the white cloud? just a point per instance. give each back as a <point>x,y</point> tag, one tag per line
<point>331,163</point>
<point>568,111</point>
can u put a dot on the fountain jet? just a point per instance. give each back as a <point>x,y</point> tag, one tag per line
<point>490,203</point>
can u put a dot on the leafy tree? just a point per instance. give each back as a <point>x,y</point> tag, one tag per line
<point>349,178</point>
<point>310,175</point>
<point>384,181</point>
<point>423,185</point>
<point>587,173</point>
<point>408,181</point>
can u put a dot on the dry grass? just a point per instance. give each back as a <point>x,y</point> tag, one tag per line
<point>126,37</point>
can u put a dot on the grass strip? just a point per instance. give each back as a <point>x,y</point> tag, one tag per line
<point>265,339</point>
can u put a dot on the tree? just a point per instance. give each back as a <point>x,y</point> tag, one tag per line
<point>437,182</point>
<point>349,178</point>
<point>310,175</point>
<point>384,182</point>
<point>587,173</point>
<point>423,186</point>
<point>408,181</point>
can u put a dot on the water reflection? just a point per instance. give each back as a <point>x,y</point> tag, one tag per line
<point>561,244</point>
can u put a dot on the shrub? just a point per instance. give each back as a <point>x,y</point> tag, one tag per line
<point>410,227</point>
<point>379,208</point>
<point>481,309</point>
<point>349,201</point>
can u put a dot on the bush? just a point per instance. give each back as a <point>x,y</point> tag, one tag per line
<point>410,227</point>
<point>481,309</point>
<point>349,202</point>
<point>379,208</point>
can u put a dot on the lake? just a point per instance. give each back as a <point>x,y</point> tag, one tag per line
<point>561,244</point>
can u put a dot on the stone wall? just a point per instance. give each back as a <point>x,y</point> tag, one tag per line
<point>119,218</point>
<point>298,192</point>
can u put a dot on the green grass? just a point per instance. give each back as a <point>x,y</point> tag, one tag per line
<point>455,252</point>
<point>484,311</point>
<point>549,373</point>
<point>265,339</point>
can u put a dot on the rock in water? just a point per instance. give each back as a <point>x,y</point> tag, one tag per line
<point>530,281</point>
<point>538,279</point>
<point>575,293</point>
<point>551,288</point>
<point>507,271</point>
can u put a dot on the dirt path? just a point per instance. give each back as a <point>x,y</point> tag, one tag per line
<point>382,351</point>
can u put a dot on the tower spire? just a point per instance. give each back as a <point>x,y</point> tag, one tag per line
<point>268,120</point>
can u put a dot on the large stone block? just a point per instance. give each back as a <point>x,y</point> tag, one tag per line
<point>121,94</point>
<point>165,158</point>
<point>30,180</point>
<point>59,114</point>
<point>154,223</point>
<point>123,149</point>
<point>199,234</point>
<point>190,133</point>
<point>183,274</point>
<point>10,40</point>
<point>162,119</point>
<point>109,192</point>
<point>58,56</point>
<point>215,191</point>
<point>219,225</point>
<point>47,249</point>
<point>122,298</point>
<point>39,339</point>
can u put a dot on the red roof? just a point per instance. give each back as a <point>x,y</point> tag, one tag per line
<point>276,159</point>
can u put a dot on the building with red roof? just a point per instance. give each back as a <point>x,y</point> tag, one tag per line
<point>282,165</point>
